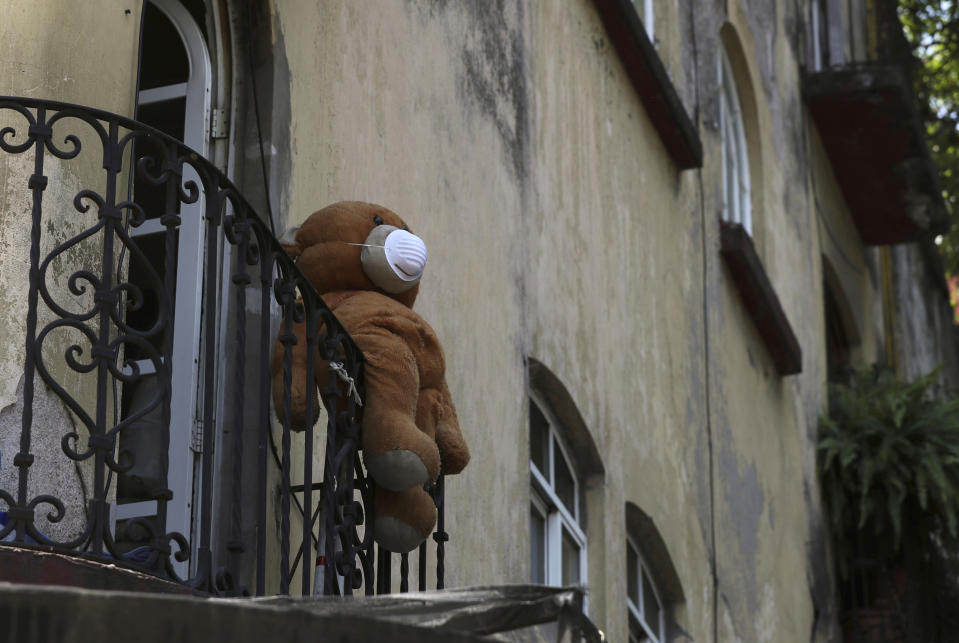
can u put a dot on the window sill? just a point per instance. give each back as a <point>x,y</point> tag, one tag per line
<point>651,81</point>
<point>759,298</point>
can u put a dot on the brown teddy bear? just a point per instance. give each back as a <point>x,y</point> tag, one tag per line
<point>366,264</point>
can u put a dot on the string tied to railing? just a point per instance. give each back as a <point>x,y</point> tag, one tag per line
<point>340,370</point>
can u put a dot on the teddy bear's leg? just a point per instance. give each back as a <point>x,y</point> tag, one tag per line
<point>299,387</point>
<point>403,519</point>
<point>436,415</point>
<point>396,452</point>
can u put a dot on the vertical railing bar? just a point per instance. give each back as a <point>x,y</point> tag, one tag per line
<point>212,215</point>
<point>241,280</point>
<point>365,551</point>
<point>383,571</point>
<point>337,477</point>
<point>101,351</point>
<point>170,218</point>
<point>404,573</point>
<point>288,339</point>
<point>266,290</point>
<point>307,527</point>
<point>422,566</point>
<point>330,509</point>
<point>22,460</point>
<point>355,476</point>
<point>285,492</point>
<point>440,536</point>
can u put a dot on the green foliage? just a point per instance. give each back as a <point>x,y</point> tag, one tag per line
<point>932,29</point>
<point>885,445</point>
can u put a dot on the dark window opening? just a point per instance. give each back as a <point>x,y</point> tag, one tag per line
<point>838,345</point>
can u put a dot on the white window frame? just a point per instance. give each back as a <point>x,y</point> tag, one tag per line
<point>637,612</point>
<point>737,202</point>
<point>649,20</point>
<point>184,412</point>
<point>559,517</point>
<point>645,10</point>
<point>819,26</point>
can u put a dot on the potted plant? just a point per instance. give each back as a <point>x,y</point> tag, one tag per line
<point>888,463</point>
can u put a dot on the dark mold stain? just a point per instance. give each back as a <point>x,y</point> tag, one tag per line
<point>495,77</point>
<point>743,504</point>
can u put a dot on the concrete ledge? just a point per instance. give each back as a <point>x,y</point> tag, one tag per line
<point>759,298</point>
<point>651,81</point>
<point>28,566</point>
<point>40,614</point>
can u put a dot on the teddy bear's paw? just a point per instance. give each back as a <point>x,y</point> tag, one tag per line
<point>402,520</point>
<point>397,469</point>
<point>395,535</point>
<point>454,453</point>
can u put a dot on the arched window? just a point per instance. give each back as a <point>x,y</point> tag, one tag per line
<point>647,619</point>
<point>557,536</point>
<point>653,589</point>
<point>737,199</point>
<point>564,467</point>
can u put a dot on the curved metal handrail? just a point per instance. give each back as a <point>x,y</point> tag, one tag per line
<point>106,148</point>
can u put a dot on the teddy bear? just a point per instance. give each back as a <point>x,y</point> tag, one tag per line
<point>366,264</point>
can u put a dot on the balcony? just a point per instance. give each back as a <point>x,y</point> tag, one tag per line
<point>869,123</point>
<point>144,300</point>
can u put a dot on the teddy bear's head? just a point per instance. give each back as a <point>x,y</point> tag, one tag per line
<point>360,246</point>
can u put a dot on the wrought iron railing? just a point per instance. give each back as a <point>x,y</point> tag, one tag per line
<point>149,446</point>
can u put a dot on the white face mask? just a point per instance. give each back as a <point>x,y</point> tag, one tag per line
<point>393,259</point>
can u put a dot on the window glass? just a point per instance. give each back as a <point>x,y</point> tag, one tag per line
<point>636,632</point>
<point>557,542</point>
<point>736,192</point>
<point>571,555</point>
<point>167,116</point>
<point>651,608</point>
<point>538,439</point>
<point>644,8</point>
<point>563,481</point>
<point>632,580</point>
<point>648,19</point>
<point>537,529</point>
<point>165,60</point>
<point>645,612</point>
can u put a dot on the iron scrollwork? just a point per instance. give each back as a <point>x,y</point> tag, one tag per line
<point>102,309</point>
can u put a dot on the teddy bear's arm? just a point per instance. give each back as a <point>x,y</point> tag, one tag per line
<point>397,451</point>
<point>299,387</point>
<point>436,414</point>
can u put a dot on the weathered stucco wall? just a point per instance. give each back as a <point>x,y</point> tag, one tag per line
<point>925,332</point>
<point>508,136</point>
<point>68,51</point>
<point>559,229</point>
<point>422,107</point>
<point>614,274</point>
